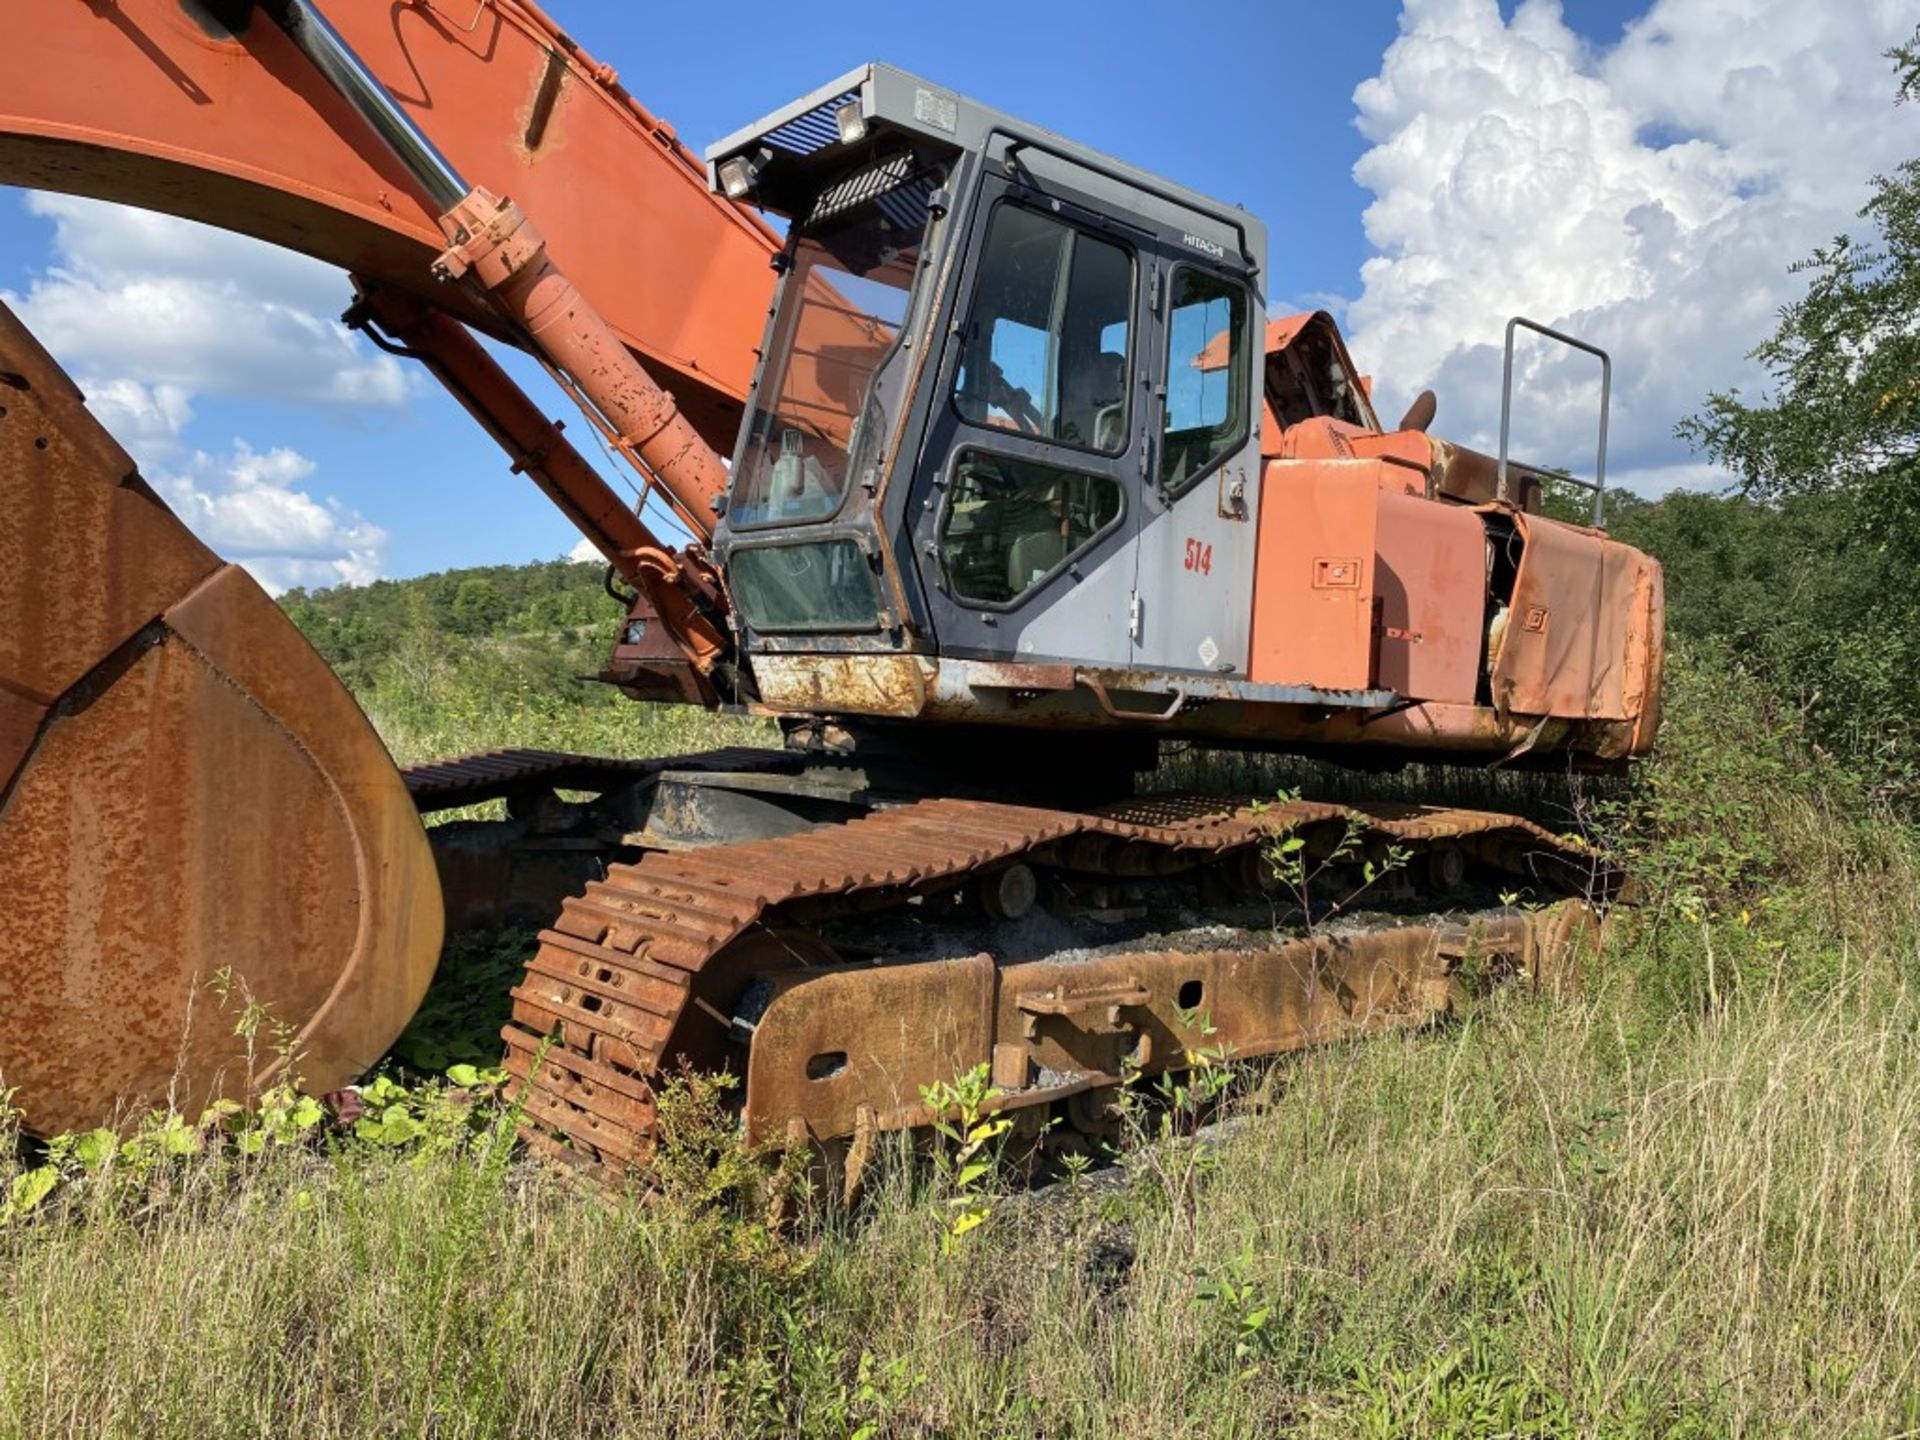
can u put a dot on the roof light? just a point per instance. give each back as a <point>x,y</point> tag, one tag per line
<point>851,122</point>
<point>738,176</point>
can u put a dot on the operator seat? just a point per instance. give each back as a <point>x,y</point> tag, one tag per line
<point>1092,401</point>
<point>1092,411</point>
<point>1033,555</point>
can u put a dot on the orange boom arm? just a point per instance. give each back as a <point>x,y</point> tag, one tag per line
<point>167,105</point>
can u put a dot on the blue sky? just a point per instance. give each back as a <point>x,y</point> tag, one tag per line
<point>1532,158</point>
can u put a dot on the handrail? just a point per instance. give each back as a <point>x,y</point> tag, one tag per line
<point>1093,682</point>
<point>1599,482</point>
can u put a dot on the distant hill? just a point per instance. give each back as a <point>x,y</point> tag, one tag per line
<point>554,609</point>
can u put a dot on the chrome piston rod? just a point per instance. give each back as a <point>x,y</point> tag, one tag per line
<point>316,38</point>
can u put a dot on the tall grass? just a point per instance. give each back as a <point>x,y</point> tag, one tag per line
<point>1549,1219</point>
<point>1685,1202</point>
<point>433,700</point>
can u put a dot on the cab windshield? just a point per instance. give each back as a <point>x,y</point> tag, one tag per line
<point>817,412</point>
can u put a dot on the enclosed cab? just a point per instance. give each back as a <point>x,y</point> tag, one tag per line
<point>1022,448</point>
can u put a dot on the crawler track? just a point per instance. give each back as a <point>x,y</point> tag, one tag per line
<point>502,774</point>
<point>651,967</point>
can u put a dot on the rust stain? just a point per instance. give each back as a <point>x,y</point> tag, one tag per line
<point>200,797</point>
<point>894,685</point>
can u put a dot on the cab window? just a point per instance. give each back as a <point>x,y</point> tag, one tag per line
<point>1012,523</point>
<point>1207,380</point>
<point>820,585</point>
<point>1046,347</point>
<point>816,413</point>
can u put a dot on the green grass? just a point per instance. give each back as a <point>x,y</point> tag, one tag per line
<point>1686,1202</point>
<point>1558,1220</point>
<point>432,701</point>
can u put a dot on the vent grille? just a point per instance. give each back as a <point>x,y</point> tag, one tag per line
<point>896,188</point>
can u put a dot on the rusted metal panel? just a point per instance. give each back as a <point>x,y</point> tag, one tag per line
<point>1646,657</point>
<point>1303,991</point>
<point>892,685</point>
<point>88,554</point>
<point>205,808</point>
<point>833,1044</point>
<point>19,722</point>
<point>1576,634</point>
<point>854,1048</point>
<point>1430,586</point>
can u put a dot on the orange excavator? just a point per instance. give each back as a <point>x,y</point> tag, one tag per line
<point>994,479</point>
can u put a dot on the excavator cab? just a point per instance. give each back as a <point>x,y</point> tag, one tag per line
<point>1004,378</point>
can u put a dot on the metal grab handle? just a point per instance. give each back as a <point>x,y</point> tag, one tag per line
<point>1093,683</point>
<point>1599,482</point>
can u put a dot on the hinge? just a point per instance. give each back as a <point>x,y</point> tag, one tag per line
<point>1133,618</point>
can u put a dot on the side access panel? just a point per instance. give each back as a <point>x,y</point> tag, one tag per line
<point>1431,587</point>
<point>1583,636</point>
<point>1362,586</point>
<point>1313,582</point>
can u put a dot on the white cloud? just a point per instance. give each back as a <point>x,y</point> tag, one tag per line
<point>245,504</point>
<point>1648,197</point>
<point>150,313</point>
<point>148,418</point>
<point>584,550</point>
<point>168,302</point>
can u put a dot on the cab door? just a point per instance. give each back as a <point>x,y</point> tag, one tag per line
<point>1197,530</point>
<point>1028,493</point>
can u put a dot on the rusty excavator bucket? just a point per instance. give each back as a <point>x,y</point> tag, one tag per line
<point>211,874</point>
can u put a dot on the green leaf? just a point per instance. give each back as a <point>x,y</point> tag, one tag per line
<point>397,1127</point>
<point>95,1148</point>
<point>30,1188</point>
<point>179,1138</point>
<point>382,1091</point>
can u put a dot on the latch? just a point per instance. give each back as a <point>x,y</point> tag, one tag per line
<point>1233,494</point>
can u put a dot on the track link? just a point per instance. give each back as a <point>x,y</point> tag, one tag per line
<point>644,972</point>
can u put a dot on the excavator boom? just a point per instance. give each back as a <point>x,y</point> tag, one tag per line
<point>208,110</point>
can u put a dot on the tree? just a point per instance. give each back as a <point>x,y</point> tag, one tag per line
<point>1846,363</point>
<point>1832,456</point>
<point>478,607</point>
